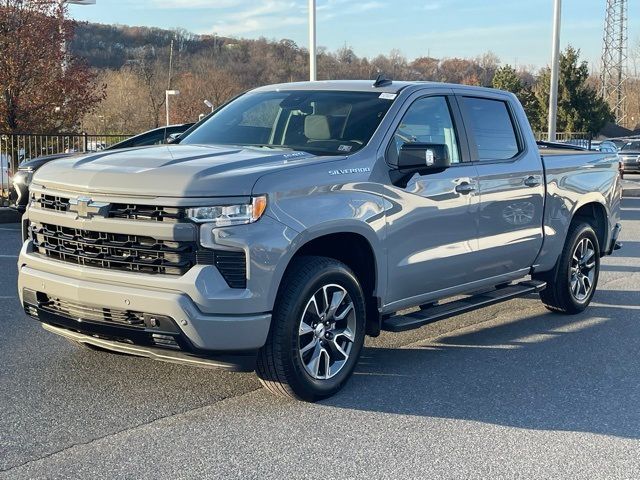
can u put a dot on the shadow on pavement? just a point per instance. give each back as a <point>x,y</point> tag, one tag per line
<point>545,372</point>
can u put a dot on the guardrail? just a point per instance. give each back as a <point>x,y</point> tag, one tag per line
<point>580,139</point>
<point>16,148</point>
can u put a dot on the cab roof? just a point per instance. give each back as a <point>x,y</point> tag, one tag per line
<point>362,86</point>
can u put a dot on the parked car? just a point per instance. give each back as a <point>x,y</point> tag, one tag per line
<point>608,146</point>
<point>604,146</point>
<point>630,155</point>
<point>19,189</point>
<point>301,217</point>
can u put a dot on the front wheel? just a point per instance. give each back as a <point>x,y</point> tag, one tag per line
<point>572,283</point>
<point>317,331</point>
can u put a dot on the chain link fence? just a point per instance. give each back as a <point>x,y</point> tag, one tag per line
<point>16,148</point>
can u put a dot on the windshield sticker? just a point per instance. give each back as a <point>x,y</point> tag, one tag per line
<point>388,96</point>
<point>347,171</point>
<point>345,148</point>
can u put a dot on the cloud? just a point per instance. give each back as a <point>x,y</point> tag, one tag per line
<point>270,15</point>
<point>190,4</point>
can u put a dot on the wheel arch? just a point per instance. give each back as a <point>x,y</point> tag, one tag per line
<point>355,247</point>
<point>595,214</point>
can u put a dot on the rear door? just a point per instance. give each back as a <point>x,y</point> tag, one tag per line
<point>511,183</point>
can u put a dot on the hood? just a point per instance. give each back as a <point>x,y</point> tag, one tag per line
<point>36,163</point>
<point>170,170</point>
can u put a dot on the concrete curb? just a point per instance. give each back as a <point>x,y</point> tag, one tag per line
<point>631,192</point>
<point>8,215</point>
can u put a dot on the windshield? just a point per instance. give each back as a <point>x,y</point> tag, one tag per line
<point>319,122</point>
<point>632,146</point>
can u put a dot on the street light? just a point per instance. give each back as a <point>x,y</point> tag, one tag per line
<point>312,41</point>
<point>209,104</point>
<point>64,43</point>
<point>169,93</point>
<point>555,70</point>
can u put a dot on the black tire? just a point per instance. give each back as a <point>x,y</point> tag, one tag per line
<point>280,365</point>
<point>559,295</point>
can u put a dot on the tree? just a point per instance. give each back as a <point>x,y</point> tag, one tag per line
<point>580,107</point>
<point>42,89</point>
<point>506,78</point>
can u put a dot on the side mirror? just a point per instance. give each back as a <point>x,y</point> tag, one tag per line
<point>427,157</point>
<point>173,138</point>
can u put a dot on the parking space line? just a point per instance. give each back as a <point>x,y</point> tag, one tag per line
<point>8,256</point>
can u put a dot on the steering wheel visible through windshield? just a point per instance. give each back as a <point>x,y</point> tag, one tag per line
<point>318,122</point>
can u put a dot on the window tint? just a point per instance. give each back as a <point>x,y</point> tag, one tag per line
<point>632,146</point>
<point>491,125</point>
<point>428,120</point>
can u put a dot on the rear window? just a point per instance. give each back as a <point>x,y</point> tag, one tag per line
<point>492,128</point>
<point>632,146</point>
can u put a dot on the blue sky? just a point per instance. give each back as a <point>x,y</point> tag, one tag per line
<point>518,32</point>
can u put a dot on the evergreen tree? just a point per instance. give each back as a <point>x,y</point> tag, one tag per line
<point>580,107</point>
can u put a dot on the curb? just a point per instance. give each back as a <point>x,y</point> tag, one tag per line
<point>8,215</point>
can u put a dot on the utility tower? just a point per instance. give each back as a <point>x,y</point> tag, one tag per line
<point>614,57</point>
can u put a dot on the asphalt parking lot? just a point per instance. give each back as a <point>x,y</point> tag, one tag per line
<point>508,392</point>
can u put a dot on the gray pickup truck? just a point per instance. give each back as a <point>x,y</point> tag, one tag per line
<point>301,217</point>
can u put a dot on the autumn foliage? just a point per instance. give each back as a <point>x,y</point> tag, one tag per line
<point>41,89</point>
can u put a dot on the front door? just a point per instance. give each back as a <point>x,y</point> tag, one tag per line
<point>432,219</point>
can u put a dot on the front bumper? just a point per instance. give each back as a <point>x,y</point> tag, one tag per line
<point>199,336</point>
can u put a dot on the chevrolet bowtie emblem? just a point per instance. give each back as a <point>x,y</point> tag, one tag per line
<point>84,207</point>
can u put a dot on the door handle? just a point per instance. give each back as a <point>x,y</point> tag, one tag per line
<point>465,188</point>
<point>532,181</point>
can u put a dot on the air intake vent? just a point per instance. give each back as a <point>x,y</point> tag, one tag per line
<point>233,267</point>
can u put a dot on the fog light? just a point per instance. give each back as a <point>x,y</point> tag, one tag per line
<point>166,341</point>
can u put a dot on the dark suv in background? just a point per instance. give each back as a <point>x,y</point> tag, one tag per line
<point>630,155</point>
<point>19,187</point>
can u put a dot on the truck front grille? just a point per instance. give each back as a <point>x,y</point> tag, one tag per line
<point>133,253</point>
<point>117,210</point>
<point>77,311</point>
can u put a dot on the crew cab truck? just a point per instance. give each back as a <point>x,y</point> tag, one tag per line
<point>301,217</point>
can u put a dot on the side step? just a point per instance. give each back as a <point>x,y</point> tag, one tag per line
<point>402,323</point>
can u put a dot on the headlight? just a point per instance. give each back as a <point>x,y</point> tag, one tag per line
<point>23,177</point>
<point>227,215</point>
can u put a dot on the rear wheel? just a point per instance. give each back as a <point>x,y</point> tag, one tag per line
<point>572,283</point>
<point>317,331</point>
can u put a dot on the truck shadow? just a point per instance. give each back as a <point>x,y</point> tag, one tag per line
<point>545,372</point>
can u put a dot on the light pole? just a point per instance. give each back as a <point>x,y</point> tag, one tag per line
<point>169,93</point>
<point>312,41</point>
<point>555,70</point>
<point>64,43</point>
<point>210,105</point>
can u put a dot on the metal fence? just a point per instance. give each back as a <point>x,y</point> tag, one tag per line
<point>17,148</point>
<point>580,139</point>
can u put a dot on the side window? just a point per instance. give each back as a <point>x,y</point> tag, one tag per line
<point>428,120</point>
<point>492,127</point>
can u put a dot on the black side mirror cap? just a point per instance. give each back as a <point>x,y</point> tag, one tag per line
<point>423,157</point>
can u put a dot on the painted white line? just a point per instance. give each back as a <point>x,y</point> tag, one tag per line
<point>10,229</point>
<point>8,256</point>
<point>7,298</point>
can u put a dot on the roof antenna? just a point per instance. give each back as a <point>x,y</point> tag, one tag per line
<point>382,81</point>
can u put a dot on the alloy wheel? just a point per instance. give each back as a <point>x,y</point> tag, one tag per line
<point>326,332</point>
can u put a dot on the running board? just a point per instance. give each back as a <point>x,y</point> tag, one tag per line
<point>402,323</point>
